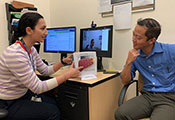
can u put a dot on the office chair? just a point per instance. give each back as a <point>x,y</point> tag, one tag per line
<point>139,85</point>
<point>3,113</point>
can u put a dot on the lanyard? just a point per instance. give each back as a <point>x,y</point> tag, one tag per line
<point>30,56</point>
<point>35,98</point>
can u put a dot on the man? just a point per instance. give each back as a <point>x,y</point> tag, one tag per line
<point>155,61</point>
<point>91,46</point>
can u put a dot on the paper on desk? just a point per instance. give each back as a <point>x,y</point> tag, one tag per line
<point>88,77</point>
<point>89,72</point>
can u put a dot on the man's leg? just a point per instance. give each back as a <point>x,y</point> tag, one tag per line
<point>163,112</point>
<point>133,109</point>
<point>164,107</point>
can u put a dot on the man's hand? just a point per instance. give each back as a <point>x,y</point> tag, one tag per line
<point>126,72</point>
<point>132,55</point>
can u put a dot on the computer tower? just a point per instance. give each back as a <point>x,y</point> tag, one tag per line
<point>73,101</point>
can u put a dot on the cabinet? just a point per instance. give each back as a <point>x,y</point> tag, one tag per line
<point>95,99</point>
<point>73,102</point>
<point>13,14</point>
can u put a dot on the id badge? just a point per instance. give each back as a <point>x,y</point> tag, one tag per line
<point>36,99</point>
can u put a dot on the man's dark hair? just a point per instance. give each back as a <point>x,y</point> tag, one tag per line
<point>154,28</point>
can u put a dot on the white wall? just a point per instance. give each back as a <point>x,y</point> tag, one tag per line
<point>82,12</point>
<point>3,26</point>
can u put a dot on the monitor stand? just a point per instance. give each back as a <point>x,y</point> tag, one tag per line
<point>99,64</point>
<point>63,55</point>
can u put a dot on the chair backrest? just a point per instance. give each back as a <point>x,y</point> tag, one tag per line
<point>140,82</point>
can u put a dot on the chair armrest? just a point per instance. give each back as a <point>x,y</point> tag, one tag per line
<point>3,113</point>
<point>41,77</point>
<point>124,90</point>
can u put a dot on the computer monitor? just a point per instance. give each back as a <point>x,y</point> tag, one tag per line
<point>97,39</point>
<point>61,39</point>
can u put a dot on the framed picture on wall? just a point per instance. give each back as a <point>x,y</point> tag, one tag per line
<point>142,5</point>
<point>112,3</point>
<point>137,5</point>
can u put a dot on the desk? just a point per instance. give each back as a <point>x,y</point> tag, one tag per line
<point>95,99</point>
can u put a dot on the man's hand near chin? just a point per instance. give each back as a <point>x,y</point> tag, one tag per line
<point>132,55</point>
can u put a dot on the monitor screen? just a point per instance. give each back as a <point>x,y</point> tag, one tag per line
<point>97,39</point>
<point>62,39</point>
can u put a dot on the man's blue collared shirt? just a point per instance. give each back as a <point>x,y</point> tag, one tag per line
<point>157,69</point>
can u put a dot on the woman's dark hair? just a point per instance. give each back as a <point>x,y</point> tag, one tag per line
<point>29,19</point>
<point>154,28</point>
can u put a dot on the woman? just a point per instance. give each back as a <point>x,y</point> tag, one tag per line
<point>20,88</point>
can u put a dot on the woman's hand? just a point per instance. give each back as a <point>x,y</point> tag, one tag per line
<point>73,72</point>
<point>68,59</point>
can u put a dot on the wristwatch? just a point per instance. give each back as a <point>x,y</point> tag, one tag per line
<point>62,62</point>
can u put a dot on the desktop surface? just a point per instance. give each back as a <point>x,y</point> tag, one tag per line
<point>101,77</point>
